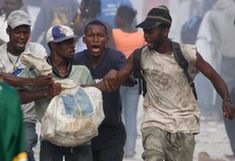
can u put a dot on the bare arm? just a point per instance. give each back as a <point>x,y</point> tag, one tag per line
<point>20,81</point>
<point>27,96</point>
<point>125,72</point>
<point>113,79</point>
<point>218,84</point>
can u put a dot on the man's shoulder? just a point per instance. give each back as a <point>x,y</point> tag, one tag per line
<point>188,49</point>
<point>3,50</point>
<point>184,47</point>
<point>79,67</point>
<point>143,50</point>
<point>80,56</point>
<point>36,44</point>
<point>109,54</point>
<point>3,46</point>
<point>35,48</point>
<point>114,53</point>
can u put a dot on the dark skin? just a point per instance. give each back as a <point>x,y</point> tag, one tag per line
<point>20,81</point>
<point>157,39</point>
<point>18,38</point>
<point>61,54</point>
<point>48,91</point>
<point>96,39</point>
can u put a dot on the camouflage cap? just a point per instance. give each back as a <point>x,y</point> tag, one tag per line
<point>18,18</point>
<point>156,17</point>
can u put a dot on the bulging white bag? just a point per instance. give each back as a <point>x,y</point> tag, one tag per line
<point>73,117</point>
<point>37,62</point>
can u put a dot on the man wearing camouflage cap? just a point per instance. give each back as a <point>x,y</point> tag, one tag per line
<point>171,114</point>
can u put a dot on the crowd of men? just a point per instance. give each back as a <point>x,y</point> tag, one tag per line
<point>171,116</point>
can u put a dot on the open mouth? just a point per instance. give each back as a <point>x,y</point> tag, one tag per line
<point>71,54</point>
<point>20,45</point>
<point>95,48</point>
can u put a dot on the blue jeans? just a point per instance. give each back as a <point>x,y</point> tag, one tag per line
<point>31,139</point>
<point>51,152</point>
<point>109,144</point>
<point>130,99</point>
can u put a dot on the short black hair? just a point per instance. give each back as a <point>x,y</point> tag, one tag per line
<point>93,5</point>
<point>127,13</point>
<point>96,22</point>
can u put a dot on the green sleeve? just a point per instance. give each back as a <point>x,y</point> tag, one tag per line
<point>11,124</point>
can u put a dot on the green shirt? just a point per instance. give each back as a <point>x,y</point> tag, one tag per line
<point>79,74</point>
<point>11,125</point>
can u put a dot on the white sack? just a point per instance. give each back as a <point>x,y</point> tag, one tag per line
<point>73,117</point>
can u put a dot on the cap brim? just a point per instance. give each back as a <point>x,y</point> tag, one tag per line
<point>20,23</point>
<point>149,24</point>
<point>65,38</point>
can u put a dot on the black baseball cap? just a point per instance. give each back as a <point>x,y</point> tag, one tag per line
<point>155,17</point>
